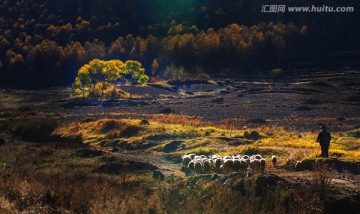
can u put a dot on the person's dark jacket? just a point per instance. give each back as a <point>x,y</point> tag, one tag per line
<point>324,137</point>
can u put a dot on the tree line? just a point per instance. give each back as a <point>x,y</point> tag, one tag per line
<point>42,58</point>
<point>47,42</point>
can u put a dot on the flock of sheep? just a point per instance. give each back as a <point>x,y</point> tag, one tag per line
<point>232,163</point>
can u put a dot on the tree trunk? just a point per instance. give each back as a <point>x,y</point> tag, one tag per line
<point>102,93</point>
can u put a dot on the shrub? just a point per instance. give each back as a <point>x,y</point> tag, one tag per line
<point>203,76</point>
<point>277,72</point>
<point>110,125</point>
<point>172,72</point>
<point>38,130</point>
<point>130,131</point>
<point>321,177</point>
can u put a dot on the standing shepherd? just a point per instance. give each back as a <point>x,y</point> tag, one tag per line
<point>324,139</point>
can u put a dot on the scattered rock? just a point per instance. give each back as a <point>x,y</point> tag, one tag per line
<point>145,123</point>
<point>172,147</point>
<point>254,135</point>
<point>246,134</point>
<point>221,84</point>
<point>157,174</point>
<point>240,95</point>
<point>341,119</point>
<point>225,92</point>
<point>259,121</point>
<point>218,100</point>
<point>166,110</point>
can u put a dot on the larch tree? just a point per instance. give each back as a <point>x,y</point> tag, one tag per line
<point>134,74</point>
<point>98,75</point>
<point>114,71</point>
<point>154,67</point>
<point>83,80</point>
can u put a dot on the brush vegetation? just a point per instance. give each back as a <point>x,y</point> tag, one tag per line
<point>85,178</point>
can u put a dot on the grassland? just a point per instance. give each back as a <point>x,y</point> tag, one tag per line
<point>60,155</point>
<point>91,177</point>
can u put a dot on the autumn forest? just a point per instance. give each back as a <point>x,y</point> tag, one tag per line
<point>48,41</point>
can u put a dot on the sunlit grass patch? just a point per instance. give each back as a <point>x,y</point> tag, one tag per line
<point>178,119</point>
<point>105,128</point>
<point>204,150</point>
<point>203,138</point>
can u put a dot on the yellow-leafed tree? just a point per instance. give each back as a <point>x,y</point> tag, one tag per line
<point>135,74</point>
<point>98,75</point>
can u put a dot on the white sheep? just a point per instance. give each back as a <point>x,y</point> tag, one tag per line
<point>236,157</point>
<point>298,165</point>
<point>185,160</point>
<point>191,165</point>
<point>217,164</point>
<point>197,158</point>
<point>236,165</point>
<point>262,165</point>
<point>207,166</point>
<point>228,165</point>
<point>192,156</point>
<point>227,158</point>
<point>216,156</point>
<point>255,164</point>
<point>245,157</point>
<point>243,165</point>
<point>258,157</point>
<point>198,166</point>
<point>274,160</point>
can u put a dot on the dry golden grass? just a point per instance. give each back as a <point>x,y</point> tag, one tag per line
<point>203,138</point>
<point>51,179</point>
